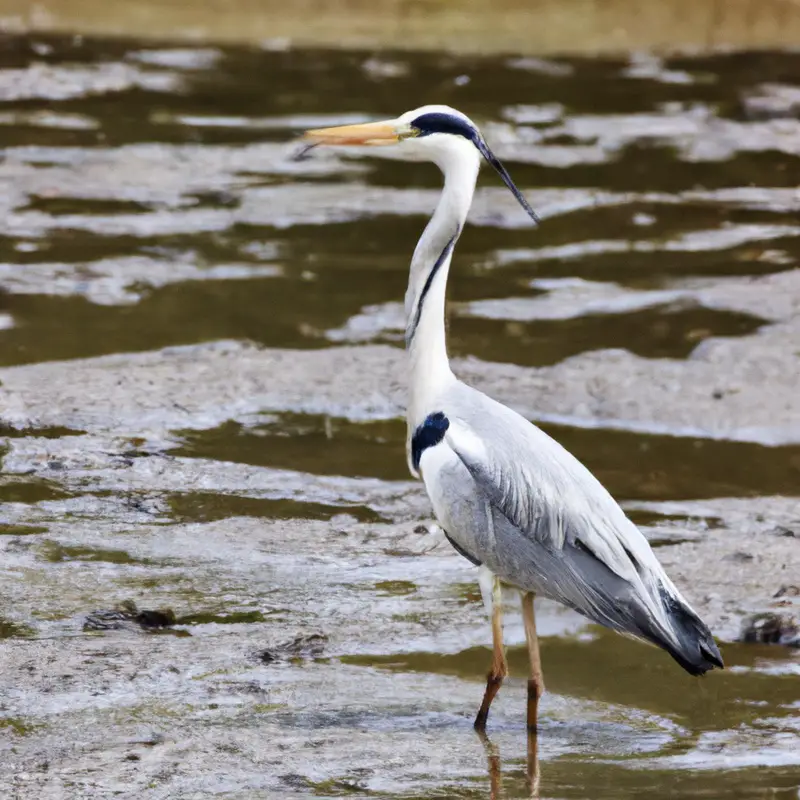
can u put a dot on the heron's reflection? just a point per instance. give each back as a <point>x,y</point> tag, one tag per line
<point>494,764</point>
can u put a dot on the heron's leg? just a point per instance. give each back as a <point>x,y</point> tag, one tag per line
<point>493,599</point>
<point>536,682</point>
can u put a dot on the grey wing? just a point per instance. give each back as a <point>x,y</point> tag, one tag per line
<point>541,521</point>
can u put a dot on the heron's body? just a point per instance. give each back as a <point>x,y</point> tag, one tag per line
<point>509,497</point>
<point>513,500</point>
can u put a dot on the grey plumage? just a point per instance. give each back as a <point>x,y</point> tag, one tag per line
<point>516,501</point>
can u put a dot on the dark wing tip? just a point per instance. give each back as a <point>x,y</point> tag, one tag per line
<point>710,650</point>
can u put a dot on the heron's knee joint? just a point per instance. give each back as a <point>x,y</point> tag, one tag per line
<point>535,689</point>
<point>499,670</point>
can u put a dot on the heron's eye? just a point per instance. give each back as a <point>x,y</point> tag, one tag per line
<point>411,133</point>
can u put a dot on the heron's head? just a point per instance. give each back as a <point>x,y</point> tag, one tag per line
<point>430,133</point>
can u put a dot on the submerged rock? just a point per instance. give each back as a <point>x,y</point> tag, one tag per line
<point>771,628</point>
<point>301,647</point>
<point>127,616</point>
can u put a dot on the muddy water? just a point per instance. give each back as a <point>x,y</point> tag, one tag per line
<point>202,391</point>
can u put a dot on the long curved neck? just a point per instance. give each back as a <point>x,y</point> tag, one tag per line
<point>427,284</point>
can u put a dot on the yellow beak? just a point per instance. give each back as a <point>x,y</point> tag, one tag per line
<point>369,133</point>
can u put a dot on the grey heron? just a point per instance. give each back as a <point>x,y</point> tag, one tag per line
<point>510,498</point>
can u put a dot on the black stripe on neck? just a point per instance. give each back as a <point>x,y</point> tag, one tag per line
<point>448,248</point>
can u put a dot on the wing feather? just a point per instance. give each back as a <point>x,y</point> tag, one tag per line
<point>546,493</point>
<point>517,501</point>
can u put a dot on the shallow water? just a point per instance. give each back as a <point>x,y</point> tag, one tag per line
<point>149,202</point>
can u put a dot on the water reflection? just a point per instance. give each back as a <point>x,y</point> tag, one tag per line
<point>668,467</point>
<point>494,765</point>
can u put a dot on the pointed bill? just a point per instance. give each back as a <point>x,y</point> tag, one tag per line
<point>365,134</point>
<point>492,159</point>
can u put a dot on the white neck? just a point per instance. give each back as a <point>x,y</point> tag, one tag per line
<point>427,283</point>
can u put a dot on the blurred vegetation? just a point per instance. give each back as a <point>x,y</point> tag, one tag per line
<point>535,26</point>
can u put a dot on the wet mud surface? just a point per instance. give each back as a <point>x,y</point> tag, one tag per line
<point>201,398</point>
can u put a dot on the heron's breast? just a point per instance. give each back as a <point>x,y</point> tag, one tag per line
<point>457,504</point>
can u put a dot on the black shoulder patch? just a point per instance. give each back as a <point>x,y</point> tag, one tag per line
<point>429,434</point>
<point>438,122</point>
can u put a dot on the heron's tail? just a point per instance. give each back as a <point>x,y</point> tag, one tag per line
<point>689,640</point>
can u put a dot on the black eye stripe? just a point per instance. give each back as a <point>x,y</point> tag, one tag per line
<point>438,122</point>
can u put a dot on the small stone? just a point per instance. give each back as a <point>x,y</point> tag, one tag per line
<point>153,739</point>
<point>771,628</point>
<point>310,646</point>
<point>740,556</point>
<point>127,615</point>
<point>156,619</point>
